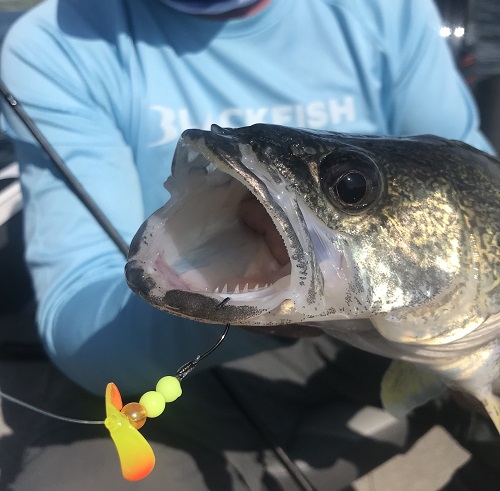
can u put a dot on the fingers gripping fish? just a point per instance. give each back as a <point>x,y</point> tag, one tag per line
<point>389,244</point>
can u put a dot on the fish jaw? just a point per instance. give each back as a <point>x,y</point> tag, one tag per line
<point>195,251</point>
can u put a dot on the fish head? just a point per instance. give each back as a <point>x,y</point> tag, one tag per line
<point>302,226</point>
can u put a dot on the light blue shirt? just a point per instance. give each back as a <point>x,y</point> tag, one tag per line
<point>112,84</point>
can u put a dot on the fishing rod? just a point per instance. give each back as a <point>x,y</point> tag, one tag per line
<point>68,176</point>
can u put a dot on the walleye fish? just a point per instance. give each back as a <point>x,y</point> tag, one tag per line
<point>389,244</point>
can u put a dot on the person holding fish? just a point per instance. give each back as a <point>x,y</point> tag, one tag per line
<point>112,85</point>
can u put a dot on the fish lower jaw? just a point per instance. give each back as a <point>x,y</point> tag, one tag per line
<point>156,279</point>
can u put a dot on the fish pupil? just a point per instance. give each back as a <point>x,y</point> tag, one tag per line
<point>351,188</point>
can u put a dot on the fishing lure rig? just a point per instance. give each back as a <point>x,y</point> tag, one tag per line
<point>123,421</point>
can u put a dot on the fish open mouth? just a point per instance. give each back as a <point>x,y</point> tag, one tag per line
<point>224,233</point>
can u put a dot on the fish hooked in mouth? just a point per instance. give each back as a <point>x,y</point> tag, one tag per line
<point>231,228</point>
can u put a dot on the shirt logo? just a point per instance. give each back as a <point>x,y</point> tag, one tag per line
<point>316,114</point>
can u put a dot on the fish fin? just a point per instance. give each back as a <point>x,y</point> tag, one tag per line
<point>405,387</point>
<point>492,405</point>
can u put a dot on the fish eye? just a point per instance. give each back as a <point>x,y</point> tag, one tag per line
<point>350,180</point>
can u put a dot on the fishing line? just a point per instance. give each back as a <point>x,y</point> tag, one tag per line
<point>10,398</point>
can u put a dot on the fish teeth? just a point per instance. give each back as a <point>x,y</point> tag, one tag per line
<point>238,289</point>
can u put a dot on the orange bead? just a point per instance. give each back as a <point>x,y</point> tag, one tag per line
<point>135,413</point>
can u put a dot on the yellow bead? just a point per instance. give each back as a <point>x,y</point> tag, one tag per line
<point>136,414</point>
<point>153,402</point>
<point>169,387</point>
